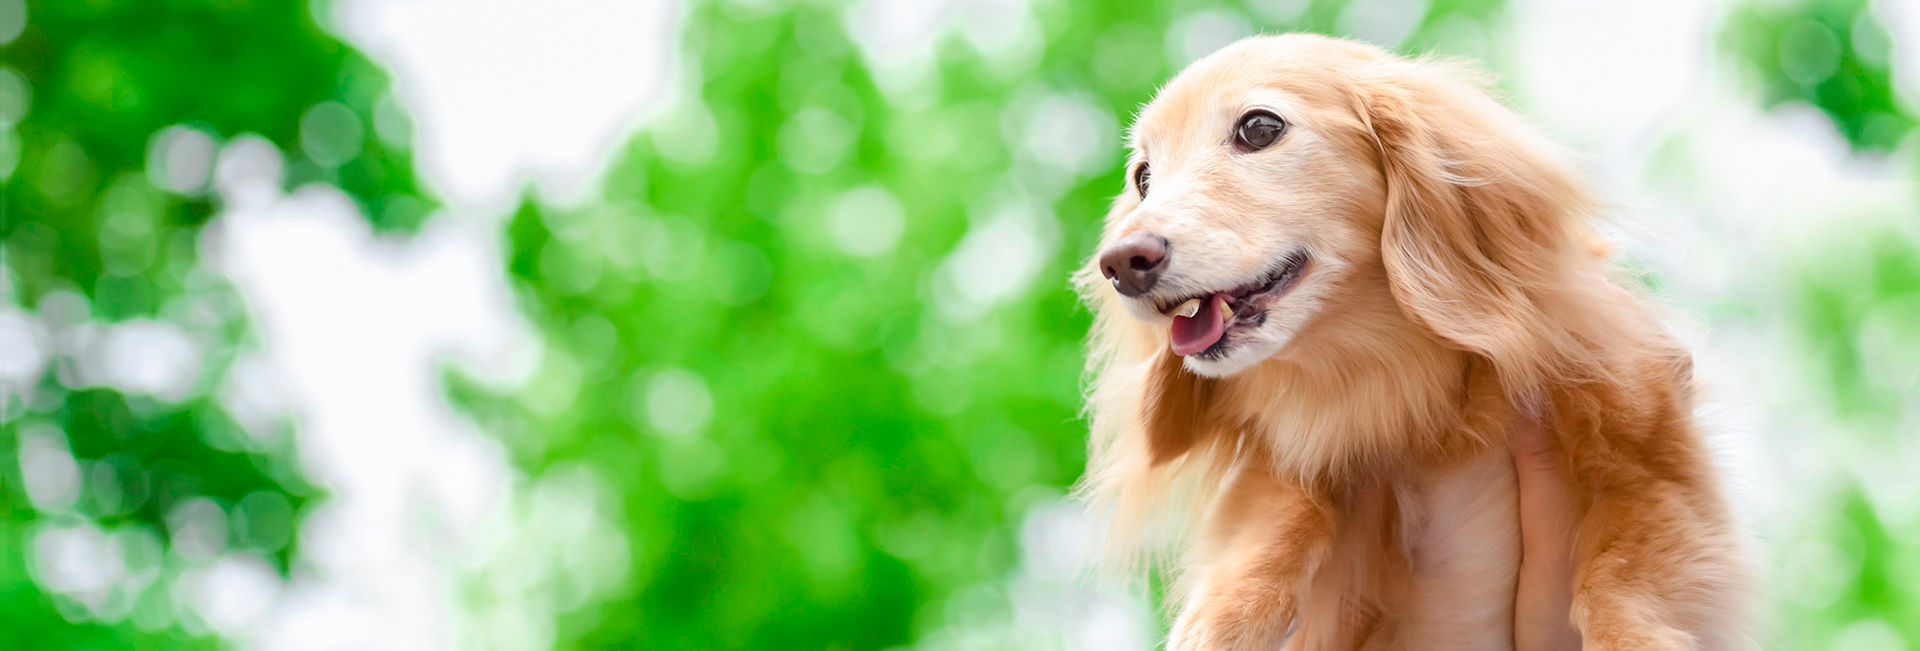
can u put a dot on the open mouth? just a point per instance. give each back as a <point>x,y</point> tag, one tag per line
<point>1202,322</point>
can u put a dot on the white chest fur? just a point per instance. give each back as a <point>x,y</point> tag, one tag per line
<point>1463,538</point>
<point>1431,567</point>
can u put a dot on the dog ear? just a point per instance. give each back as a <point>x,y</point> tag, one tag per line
<point>1480,213</point>
<point>1177,409</point>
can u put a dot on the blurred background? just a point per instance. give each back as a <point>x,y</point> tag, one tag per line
<point>579,324</point>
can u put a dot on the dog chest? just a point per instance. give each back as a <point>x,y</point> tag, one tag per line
<point>1425,562</point>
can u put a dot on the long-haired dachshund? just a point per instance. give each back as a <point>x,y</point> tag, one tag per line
<point>1335,278</point>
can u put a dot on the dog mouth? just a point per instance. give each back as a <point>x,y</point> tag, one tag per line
<point>1203,322</point>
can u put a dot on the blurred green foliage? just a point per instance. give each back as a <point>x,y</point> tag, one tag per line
<point>1858,308</point>
<point>1856,300</point>
<point>1832,54</point>
<point>105,78</point>
<point>90,212</point>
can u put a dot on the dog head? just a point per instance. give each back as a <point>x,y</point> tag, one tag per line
<point>1284,179</point>
<point>1310,200</point>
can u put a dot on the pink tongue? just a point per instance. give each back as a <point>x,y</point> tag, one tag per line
<point>1199,332</point>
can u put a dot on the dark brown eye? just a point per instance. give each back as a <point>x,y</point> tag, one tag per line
<point>1140,177</point>
<point>1258,130</point>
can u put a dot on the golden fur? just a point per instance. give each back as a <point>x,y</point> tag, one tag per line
<point>1346,462</point>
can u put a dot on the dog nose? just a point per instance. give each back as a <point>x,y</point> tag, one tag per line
<point>1134,263</point>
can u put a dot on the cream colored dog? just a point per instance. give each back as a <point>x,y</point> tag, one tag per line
<point>1335,278</point>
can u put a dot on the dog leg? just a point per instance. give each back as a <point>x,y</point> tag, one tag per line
<point>1660,574</point>
<point>1266,535</point>
<point>1662,564</point>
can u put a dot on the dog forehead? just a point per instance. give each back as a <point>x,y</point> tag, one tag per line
<point>1289,74</point>
<point>1178,114</point>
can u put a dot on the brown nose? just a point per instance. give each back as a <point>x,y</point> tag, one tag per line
<point>1134,263</point>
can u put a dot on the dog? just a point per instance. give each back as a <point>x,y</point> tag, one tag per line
<point>1334,281</point>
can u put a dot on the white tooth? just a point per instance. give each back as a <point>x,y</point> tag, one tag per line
<point>1189,308</point>
<point>1226,310</point>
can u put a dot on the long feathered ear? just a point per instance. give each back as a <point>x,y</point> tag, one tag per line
<point>1481,215</point>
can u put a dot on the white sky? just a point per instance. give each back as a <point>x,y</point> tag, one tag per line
<point>507,91</point>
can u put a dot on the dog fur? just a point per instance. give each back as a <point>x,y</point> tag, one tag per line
<point>1343,465</point>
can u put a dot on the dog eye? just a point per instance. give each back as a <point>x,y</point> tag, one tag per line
<point>1140,177</point>
<point>1258,130</point>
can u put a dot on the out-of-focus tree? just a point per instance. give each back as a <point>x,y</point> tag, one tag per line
<point>1832,54</point>
<point>1849,581</point>
<point>122,471</point>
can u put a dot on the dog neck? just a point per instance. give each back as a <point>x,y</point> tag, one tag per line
<point>1373,390</point>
